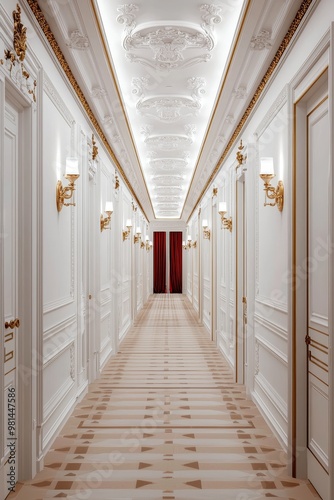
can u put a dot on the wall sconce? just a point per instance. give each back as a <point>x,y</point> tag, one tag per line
<point>66,193</point>
<point>184,245</point>
<point>227,223</point>
<point>104,221</point>
<point>126,234</point>
<point>147,242</point>
<point>271,192</point>
<point>206,231</point>
<point>137,236</point>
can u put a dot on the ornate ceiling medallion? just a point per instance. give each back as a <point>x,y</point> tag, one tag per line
<point>168,108</point>
<point>167,179</point>
<point>169,142</point>
<point>168,164</point>
<point>168,46</point>
<point>169,189</point>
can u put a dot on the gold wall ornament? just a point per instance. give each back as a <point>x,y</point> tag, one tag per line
<point>95,149</point>
<point>14,59</point>
<point>116,182</point>
<point>194,244</point>
<point>142,244</point>
<point>214,192</point>
<point>66,193</point>
<point>239,156</point>
<point>20,35</point>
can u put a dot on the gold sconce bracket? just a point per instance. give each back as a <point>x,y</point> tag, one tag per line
<point>136,239</point>
<point>206,230</point>
<point>65,193</point>
<point>126,234</point>
<point>206,234</point>
<point>273,193</point>
<point>194,244</point>
<point>226,222</point>
<point>142,244</point>
<point>104,221</point>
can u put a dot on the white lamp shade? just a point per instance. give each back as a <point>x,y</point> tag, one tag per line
<point>72,166</point>
<point>138,230</point>
<point>189,237</point>
<point>109,206</point>
<point>183,242</point>
<point>205,223</point>
<point>128,223</point>
<point>267,165</point>
<point>151,244</point>
<point>147,238</point>
<point>222,206</point>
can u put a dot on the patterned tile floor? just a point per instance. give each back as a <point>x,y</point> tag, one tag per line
<point>165,422</point>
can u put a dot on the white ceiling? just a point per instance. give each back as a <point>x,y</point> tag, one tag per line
<point>168,82</point>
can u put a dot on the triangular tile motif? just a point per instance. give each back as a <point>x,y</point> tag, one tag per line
<point>195,484</point>
<point>142,465</point>
<point>193,465</point>
<point>141,484</point>
<point>198,434</point>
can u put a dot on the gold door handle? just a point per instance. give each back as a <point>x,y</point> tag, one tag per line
<point>14,323</point>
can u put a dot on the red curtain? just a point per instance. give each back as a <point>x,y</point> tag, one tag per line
<point>175,259</point>
<point>159,262</point>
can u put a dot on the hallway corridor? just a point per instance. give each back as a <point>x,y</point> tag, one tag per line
<point>165,422</point>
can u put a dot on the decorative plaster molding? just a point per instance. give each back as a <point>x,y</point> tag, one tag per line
<point>261,41</point>
<point>169,189</point>
<point>240,93</point>
<point>167,179</point>
<point>257,357</point>
<point>168,142</point>
<point>108,120</point>
<point>169,108</point>
<point>168,163</point>
<point>98,92</point>
<point>168,44</point>
<point>196,84</point>
<point>78,41</point>
<point>210,16</point>
<point>127,16</point>
<point>57,100</point>
<point>229,119</point>
<point>72,358</point>
<point>273,111</point>
<point>140,85</point>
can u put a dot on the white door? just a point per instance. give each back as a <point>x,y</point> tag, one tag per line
<point>10,299</point>
<point>241,293</point>
<point>317,313</point>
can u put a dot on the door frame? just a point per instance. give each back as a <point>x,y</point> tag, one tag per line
<point>241,275</point>
<point>30,272</point>
<point>317,66</point>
